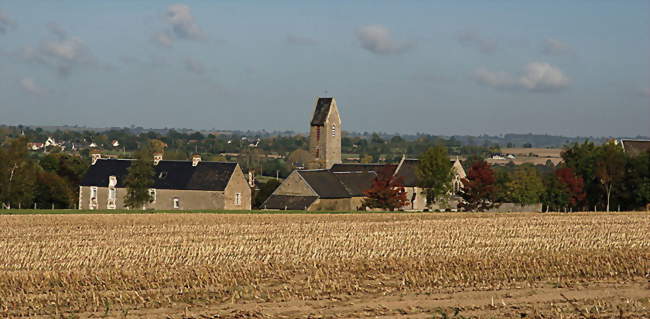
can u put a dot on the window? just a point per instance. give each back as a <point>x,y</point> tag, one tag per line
<point>177,203</point>
<point>238,199</point>
<point>93,197</point>
<point>333,129</point>
<point>112,181</point>
<point>317,133</point>
<point>112,193</point>
<point>152,195</point>
<point>317,152</point>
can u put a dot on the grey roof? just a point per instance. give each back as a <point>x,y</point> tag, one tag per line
<point>324,183</point>
<point>636,147</point>
<point>328,184</point>
<point>209,176</point>
<point>291,202</point>
<point>408,172</point>
<point>322,110</point>
<point>361,167</point>
<point>356,183</point>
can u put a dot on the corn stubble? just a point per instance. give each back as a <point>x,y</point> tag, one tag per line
<point>84,263</point>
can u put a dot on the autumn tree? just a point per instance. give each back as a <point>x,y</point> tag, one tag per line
<point>525,186</point>
<point>434,172</point>
<point>139,179</point>
<point>387,191</point>
<point>479,190</point>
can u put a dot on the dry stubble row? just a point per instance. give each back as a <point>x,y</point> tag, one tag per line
<point>91,262</point>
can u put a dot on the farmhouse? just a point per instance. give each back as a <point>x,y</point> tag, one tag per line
<point>333,185</point>
<point>321,189</point>
<point>180,185</point>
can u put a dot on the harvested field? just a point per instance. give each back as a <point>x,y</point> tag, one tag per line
<point>326,266</point>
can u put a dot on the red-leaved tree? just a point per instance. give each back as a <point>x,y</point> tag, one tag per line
<point>387,191</point>
<point>574,185</point>
<point>479,188</point>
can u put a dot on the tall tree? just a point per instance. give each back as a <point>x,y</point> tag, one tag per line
<point>17,174</point>
<point>525,186</point>
<point>582,158</point>
<point>139,179</point>
<point>479,190</point>
<point>573,185</point>
<point>434,173</point>
<point>387,191</point>
<point>610,168</point>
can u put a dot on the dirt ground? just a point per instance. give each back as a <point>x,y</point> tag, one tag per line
<point>584,300</point>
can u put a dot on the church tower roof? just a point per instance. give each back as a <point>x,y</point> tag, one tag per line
<point>322,110</point>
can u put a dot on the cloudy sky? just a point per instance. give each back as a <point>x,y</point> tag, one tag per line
<point>470,67</point>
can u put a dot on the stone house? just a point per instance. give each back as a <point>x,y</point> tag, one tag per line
<point>178,185</point>
<point>325,190</point>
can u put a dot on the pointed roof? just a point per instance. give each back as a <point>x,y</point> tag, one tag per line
<point>323,106</point>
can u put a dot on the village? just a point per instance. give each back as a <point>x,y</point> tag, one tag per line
<point>318,178</point>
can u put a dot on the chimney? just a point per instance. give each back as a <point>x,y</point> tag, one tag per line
<point>94,157</point>
<point>196,159</point>
<point>251,178</point>
<point>157,157</point>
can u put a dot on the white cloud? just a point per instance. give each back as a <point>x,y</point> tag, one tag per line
<point>181,25</point>
<point>536,77</point>
<point>63,53</point>
<point>5,22</point>
<point>300,40</point>
<point>164,39</point>
<point>555,47</point>
<point>194,66</point>
<point>179,16</point>
<point>378,39</point>
<point>473,39</point>
<point>31,87</point>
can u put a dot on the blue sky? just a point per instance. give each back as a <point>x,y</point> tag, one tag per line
<point>470,67</point>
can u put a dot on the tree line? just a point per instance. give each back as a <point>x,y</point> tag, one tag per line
<point>591,177</point>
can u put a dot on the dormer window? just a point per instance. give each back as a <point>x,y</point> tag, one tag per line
<point>162,175</point>
<point>112,181</point>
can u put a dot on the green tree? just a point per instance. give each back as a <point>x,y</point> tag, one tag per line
<point>525,186</point>
<point>435,173</point>
<point>17,174</point>
<point>53,191</point>
<point>266,189</point>
<point>139,179</point>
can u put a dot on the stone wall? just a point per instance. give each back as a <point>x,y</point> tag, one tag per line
<point>294,185</point>
<point>513,207</point>
<point>332,204</point>
<point>188,199</point>
<point>237,184</point>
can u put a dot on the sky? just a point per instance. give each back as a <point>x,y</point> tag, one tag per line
<point>576,68</point>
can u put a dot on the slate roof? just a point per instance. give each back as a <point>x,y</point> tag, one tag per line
<point>361,167</point>
<point>636,147</point>
<point>324,183</point>
<point>290,202</point>
<point>322,110</point>
<point>356,183</point>
<point>328,184</point>
<point>408,172</point>
<point>208,176</point>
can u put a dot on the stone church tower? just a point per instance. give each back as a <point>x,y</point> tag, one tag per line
<point>325,135</point>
